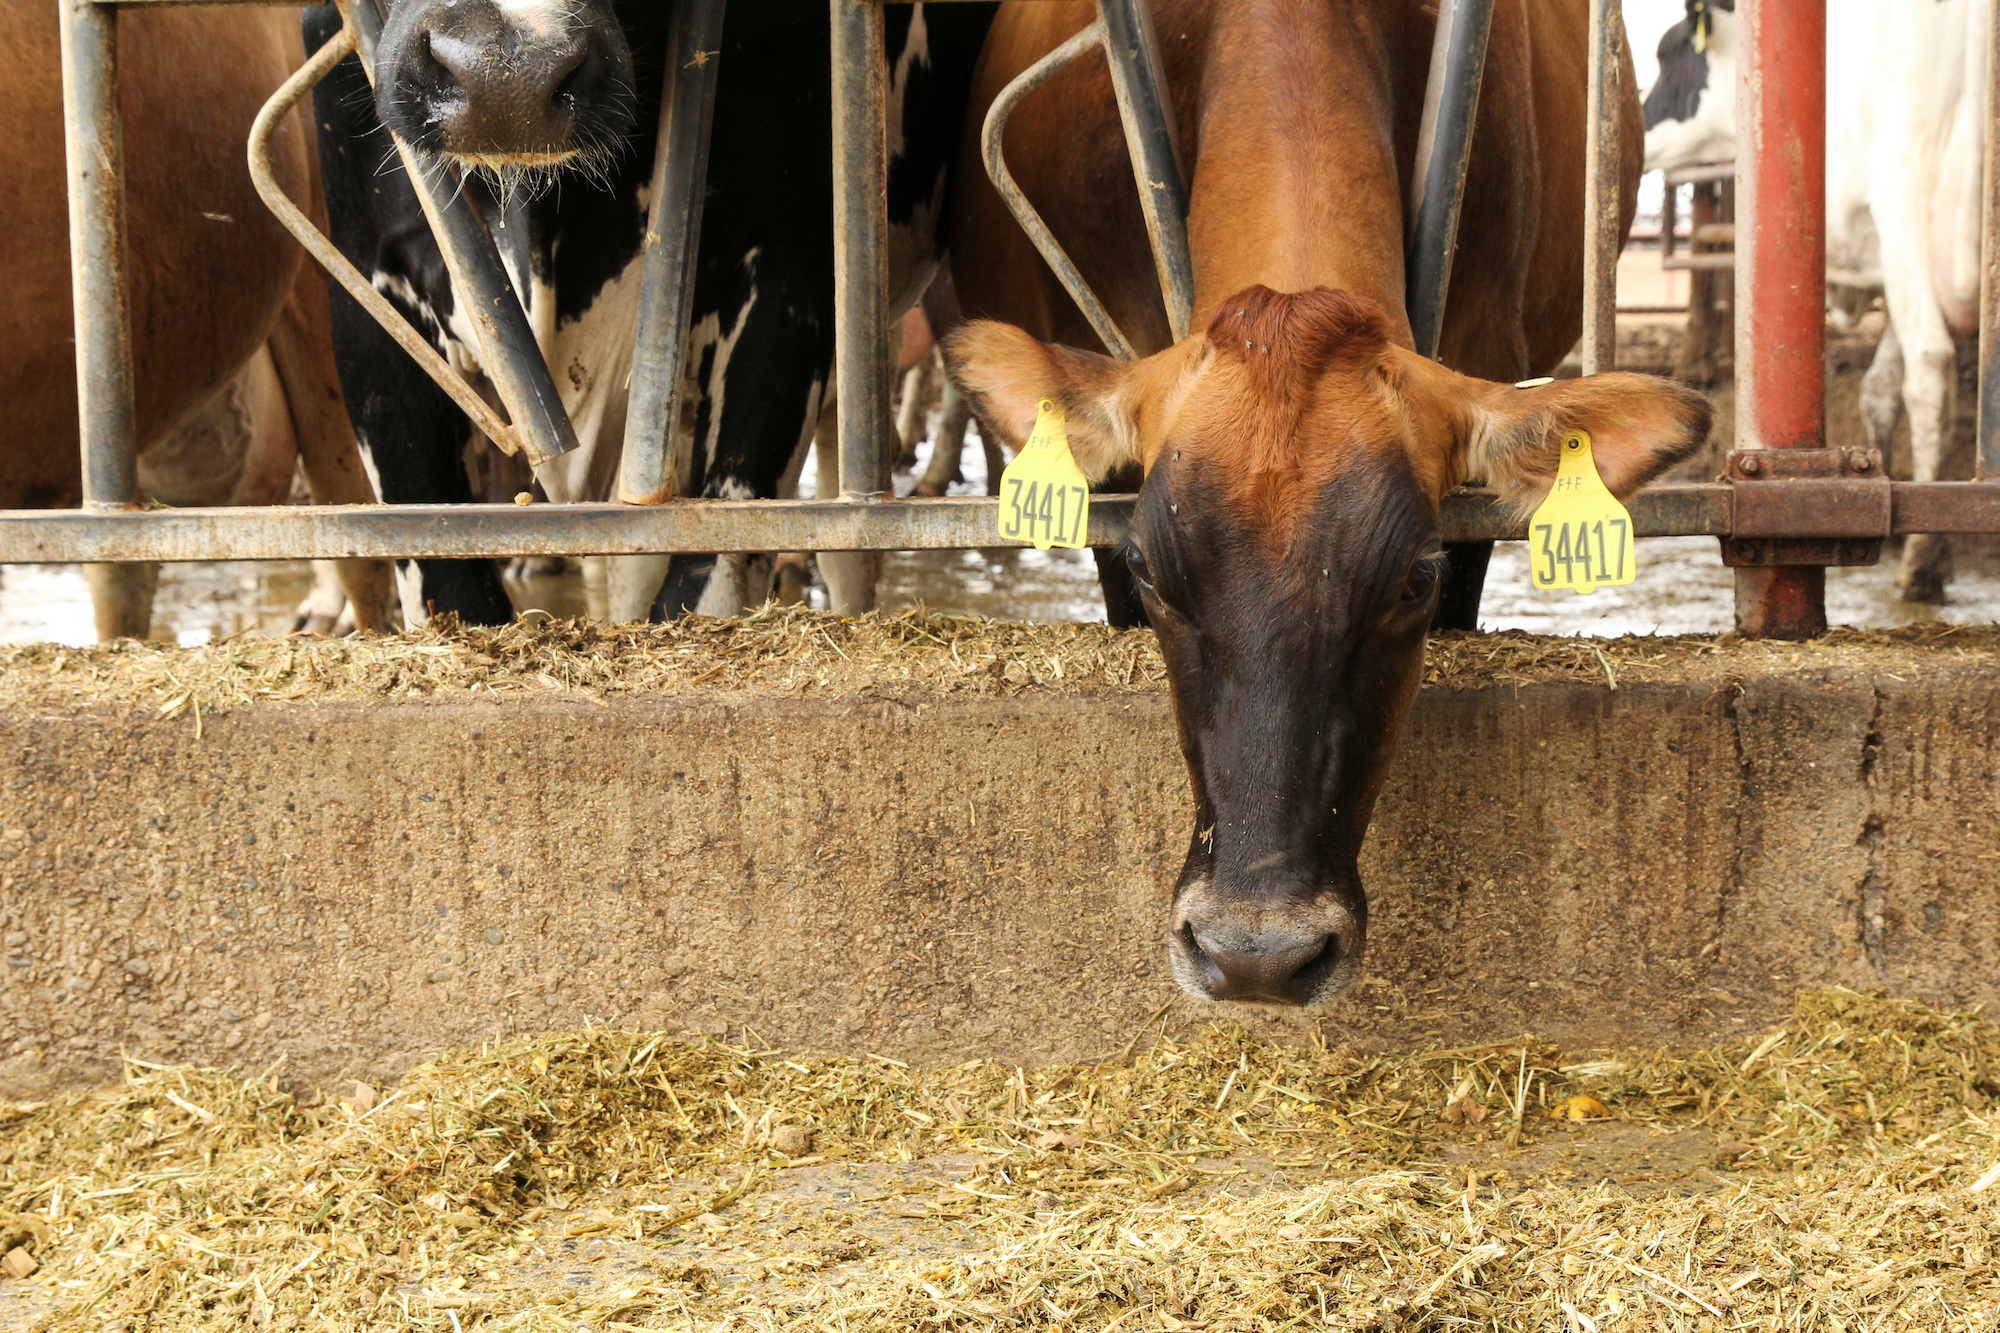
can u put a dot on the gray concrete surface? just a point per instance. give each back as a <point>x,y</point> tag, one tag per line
<point>348,886</point>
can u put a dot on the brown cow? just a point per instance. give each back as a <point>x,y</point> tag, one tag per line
<point>1295,448</point>
<point>231,347</point>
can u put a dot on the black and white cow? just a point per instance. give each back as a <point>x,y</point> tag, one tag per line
<point>550,109</point>
<point>1905,140</point>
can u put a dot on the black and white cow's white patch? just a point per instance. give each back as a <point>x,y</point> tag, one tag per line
<point>761,349</point>
<point>1690,109</point>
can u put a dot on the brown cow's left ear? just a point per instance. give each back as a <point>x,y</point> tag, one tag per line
<point>1006,372</point>
<point>1639,425</point>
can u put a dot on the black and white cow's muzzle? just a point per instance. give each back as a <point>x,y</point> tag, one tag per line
<point>512,86</point>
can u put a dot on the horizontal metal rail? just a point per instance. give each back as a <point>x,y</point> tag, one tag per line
<point>332,532</point>
<point>314,532</point>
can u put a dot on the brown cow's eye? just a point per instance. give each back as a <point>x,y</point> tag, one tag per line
<point>1135,561</point>
<point>1425,576</point>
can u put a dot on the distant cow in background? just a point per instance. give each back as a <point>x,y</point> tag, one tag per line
<point>234,375</point>
<point>1905,139</point>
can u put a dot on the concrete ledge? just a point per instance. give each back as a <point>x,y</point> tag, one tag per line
<point>938,876</point>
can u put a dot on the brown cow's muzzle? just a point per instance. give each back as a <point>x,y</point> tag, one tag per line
<point>1231,947</point>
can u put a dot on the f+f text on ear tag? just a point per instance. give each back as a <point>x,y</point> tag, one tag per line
<point>1044,497</point>
<point>1581,537</point>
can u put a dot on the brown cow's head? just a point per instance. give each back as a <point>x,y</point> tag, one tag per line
<point>520,88</point>
<point>1286,546</point>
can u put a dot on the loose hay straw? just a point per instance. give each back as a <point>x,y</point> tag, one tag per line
<point>798,651</point>
<point>194,1199</point>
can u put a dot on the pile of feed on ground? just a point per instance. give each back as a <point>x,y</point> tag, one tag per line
<point>794,650</point>
<point>1848,1178</point>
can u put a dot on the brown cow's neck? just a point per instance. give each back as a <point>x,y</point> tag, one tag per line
<point>1291,188</point>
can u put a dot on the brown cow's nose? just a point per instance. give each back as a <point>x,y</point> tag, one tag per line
<point>1280,966</point>
<point>1302,954</point>
<point>515,99</point>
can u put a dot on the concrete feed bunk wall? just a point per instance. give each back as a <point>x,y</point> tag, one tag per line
<point>937,841</point>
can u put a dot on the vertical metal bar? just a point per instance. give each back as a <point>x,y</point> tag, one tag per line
<point>1670,203</point>
<point>860,232</point>
<point>1444,150</point>
<point>1781,276</point>
<point>673,237</point>
<point>507,347</point>
<point>94,142</point>
<point>1989,268</point>
<point>1133,49</point>
<point>1603,237</point>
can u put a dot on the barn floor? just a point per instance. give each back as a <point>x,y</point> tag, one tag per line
<point>1841,1171</point>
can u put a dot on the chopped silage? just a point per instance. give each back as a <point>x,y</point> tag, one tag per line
<point>1857,1187</point>
<point>794,650</point>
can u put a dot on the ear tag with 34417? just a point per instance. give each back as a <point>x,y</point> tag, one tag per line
<point>1044,496</point>
<point>1581,537</point>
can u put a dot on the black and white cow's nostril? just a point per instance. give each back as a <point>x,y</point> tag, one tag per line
<point>505,83</point>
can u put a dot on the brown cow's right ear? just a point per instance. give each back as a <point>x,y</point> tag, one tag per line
<point>1006,373</point>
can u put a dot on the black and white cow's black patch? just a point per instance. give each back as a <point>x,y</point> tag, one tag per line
<point>1683,55</point>
<point>761,347</point>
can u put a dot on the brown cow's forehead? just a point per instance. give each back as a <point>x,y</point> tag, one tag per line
<point>1286,457</point>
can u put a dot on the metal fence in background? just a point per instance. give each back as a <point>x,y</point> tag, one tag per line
<point>1771,517</point>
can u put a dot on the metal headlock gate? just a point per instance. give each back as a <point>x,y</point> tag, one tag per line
<point>1787,507</point>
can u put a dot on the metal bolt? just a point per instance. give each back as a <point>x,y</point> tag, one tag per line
<point>1751,465</point>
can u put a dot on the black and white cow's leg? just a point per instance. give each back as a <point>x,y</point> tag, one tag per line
<point>913,414</point>
<point>412,436</point>
<point>748,425</point>
<point>1882,394</point>
<point>791,571</point>
<point>413,440</point>
<point>1930,383</point>
<point>325,604</point>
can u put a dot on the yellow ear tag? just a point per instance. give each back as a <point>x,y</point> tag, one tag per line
<point>1044,498</point>
<point>1581,537</point>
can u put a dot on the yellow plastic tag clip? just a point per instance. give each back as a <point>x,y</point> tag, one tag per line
<point>1044,498</point>
<point>1581,537</point>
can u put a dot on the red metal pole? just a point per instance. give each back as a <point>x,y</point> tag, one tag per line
<point>1781,277</point>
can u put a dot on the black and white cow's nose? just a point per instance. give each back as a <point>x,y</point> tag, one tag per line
<point>509,101</point>
<point>521,83</point>
<point>1298,956</point>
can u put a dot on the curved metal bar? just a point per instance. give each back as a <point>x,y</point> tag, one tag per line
<point>329,257</point>
<point>508,351</point>
<point>1024,212</point>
